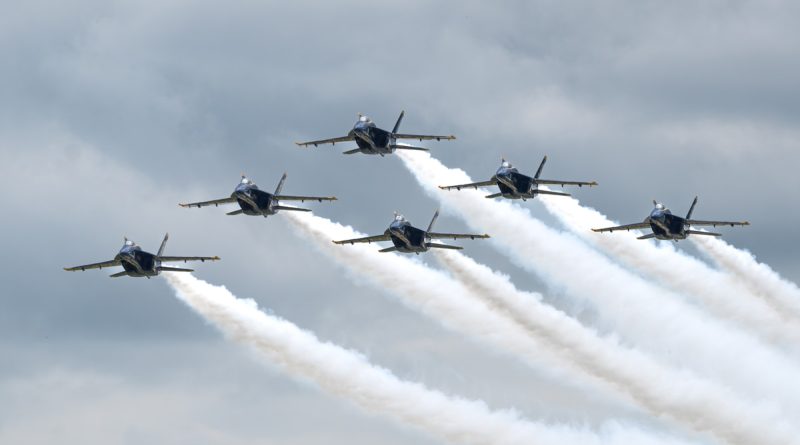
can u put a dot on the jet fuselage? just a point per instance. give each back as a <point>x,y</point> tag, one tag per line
<point>667,226</point>
<point>371,139</point>
<point>513,184</point>
<point>137,262</point>
<point>407,238</point>
<point>253,201</point>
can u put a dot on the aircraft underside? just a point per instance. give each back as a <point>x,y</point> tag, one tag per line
<point>146,267</point>
<point>521,192</point>
<point>263,202</point>
<point>415,244</point>
<point>674,225</point>
<point>368,149</point>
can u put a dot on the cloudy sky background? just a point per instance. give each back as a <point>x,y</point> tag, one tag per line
<point>113,112</point>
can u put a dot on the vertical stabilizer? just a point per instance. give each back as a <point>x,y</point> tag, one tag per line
<point>691,209</point>
<point>433,220</point>
<point>397,124</point>
<point>541,166</point>
<point>280,185</point>
<point>163,244</point>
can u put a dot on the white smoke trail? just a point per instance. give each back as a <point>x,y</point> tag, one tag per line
<point>782,294</point>
<point>648,316</point>
<point>709,409</point>
<point>662,390</point>
<point>349,375</point>
<point>428,291</point>
<point>678,271</point>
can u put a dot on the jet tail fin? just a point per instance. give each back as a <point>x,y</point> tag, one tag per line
<point>397,124</point>
<point>280,184</point>
<point>541,166</point>
<point>691,209</point>
<point>433,220</point>
<point>163,244</point>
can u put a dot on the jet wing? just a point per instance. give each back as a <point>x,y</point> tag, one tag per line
<point>167,258</point>
<point>474,185</point>
<point>423,137</point>
<point>304,198</point>
<point>563,183</point>
<point>110,263</point>
<point>435,235</point>
<point>697,222</point>
<point>641,225</point>
<point>367,239</point>
<point>214,202</point>
<point>326,141</point>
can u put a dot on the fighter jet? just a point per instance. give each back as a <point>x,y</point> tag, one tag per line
<point>372,140</point>
<point>515,185</point>
<point>138,263</point>
<point>407,238</point>
<point>666,226</point>
<point>253,201</point>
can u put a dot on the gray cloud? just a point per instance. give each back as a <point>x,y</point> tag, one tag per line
<point>114,112</point>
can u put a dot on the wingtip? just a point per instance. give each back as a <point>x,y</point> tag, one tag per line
<point>595,230</point>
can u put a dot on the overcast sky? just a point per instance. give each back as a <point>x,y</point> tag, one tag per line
<point>112,112</point>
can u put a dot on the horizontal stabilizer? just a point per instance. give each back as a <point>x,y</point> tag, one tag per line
<point>119,274</point>
<point>296,209</point>
<point>235,212</point>
<point>697,222</point>
<point>700,232</point>
<point>442,246</point>
<point>648,236</point>
<point>174,269</point>
<point>408,147</point>
<point>494,195</point>
<point>548,192</point>
<point>351,152</point>
<point>388,249</point>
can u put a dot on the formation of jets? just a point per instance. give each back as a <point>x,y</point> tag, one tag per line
<point>404,237</point>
